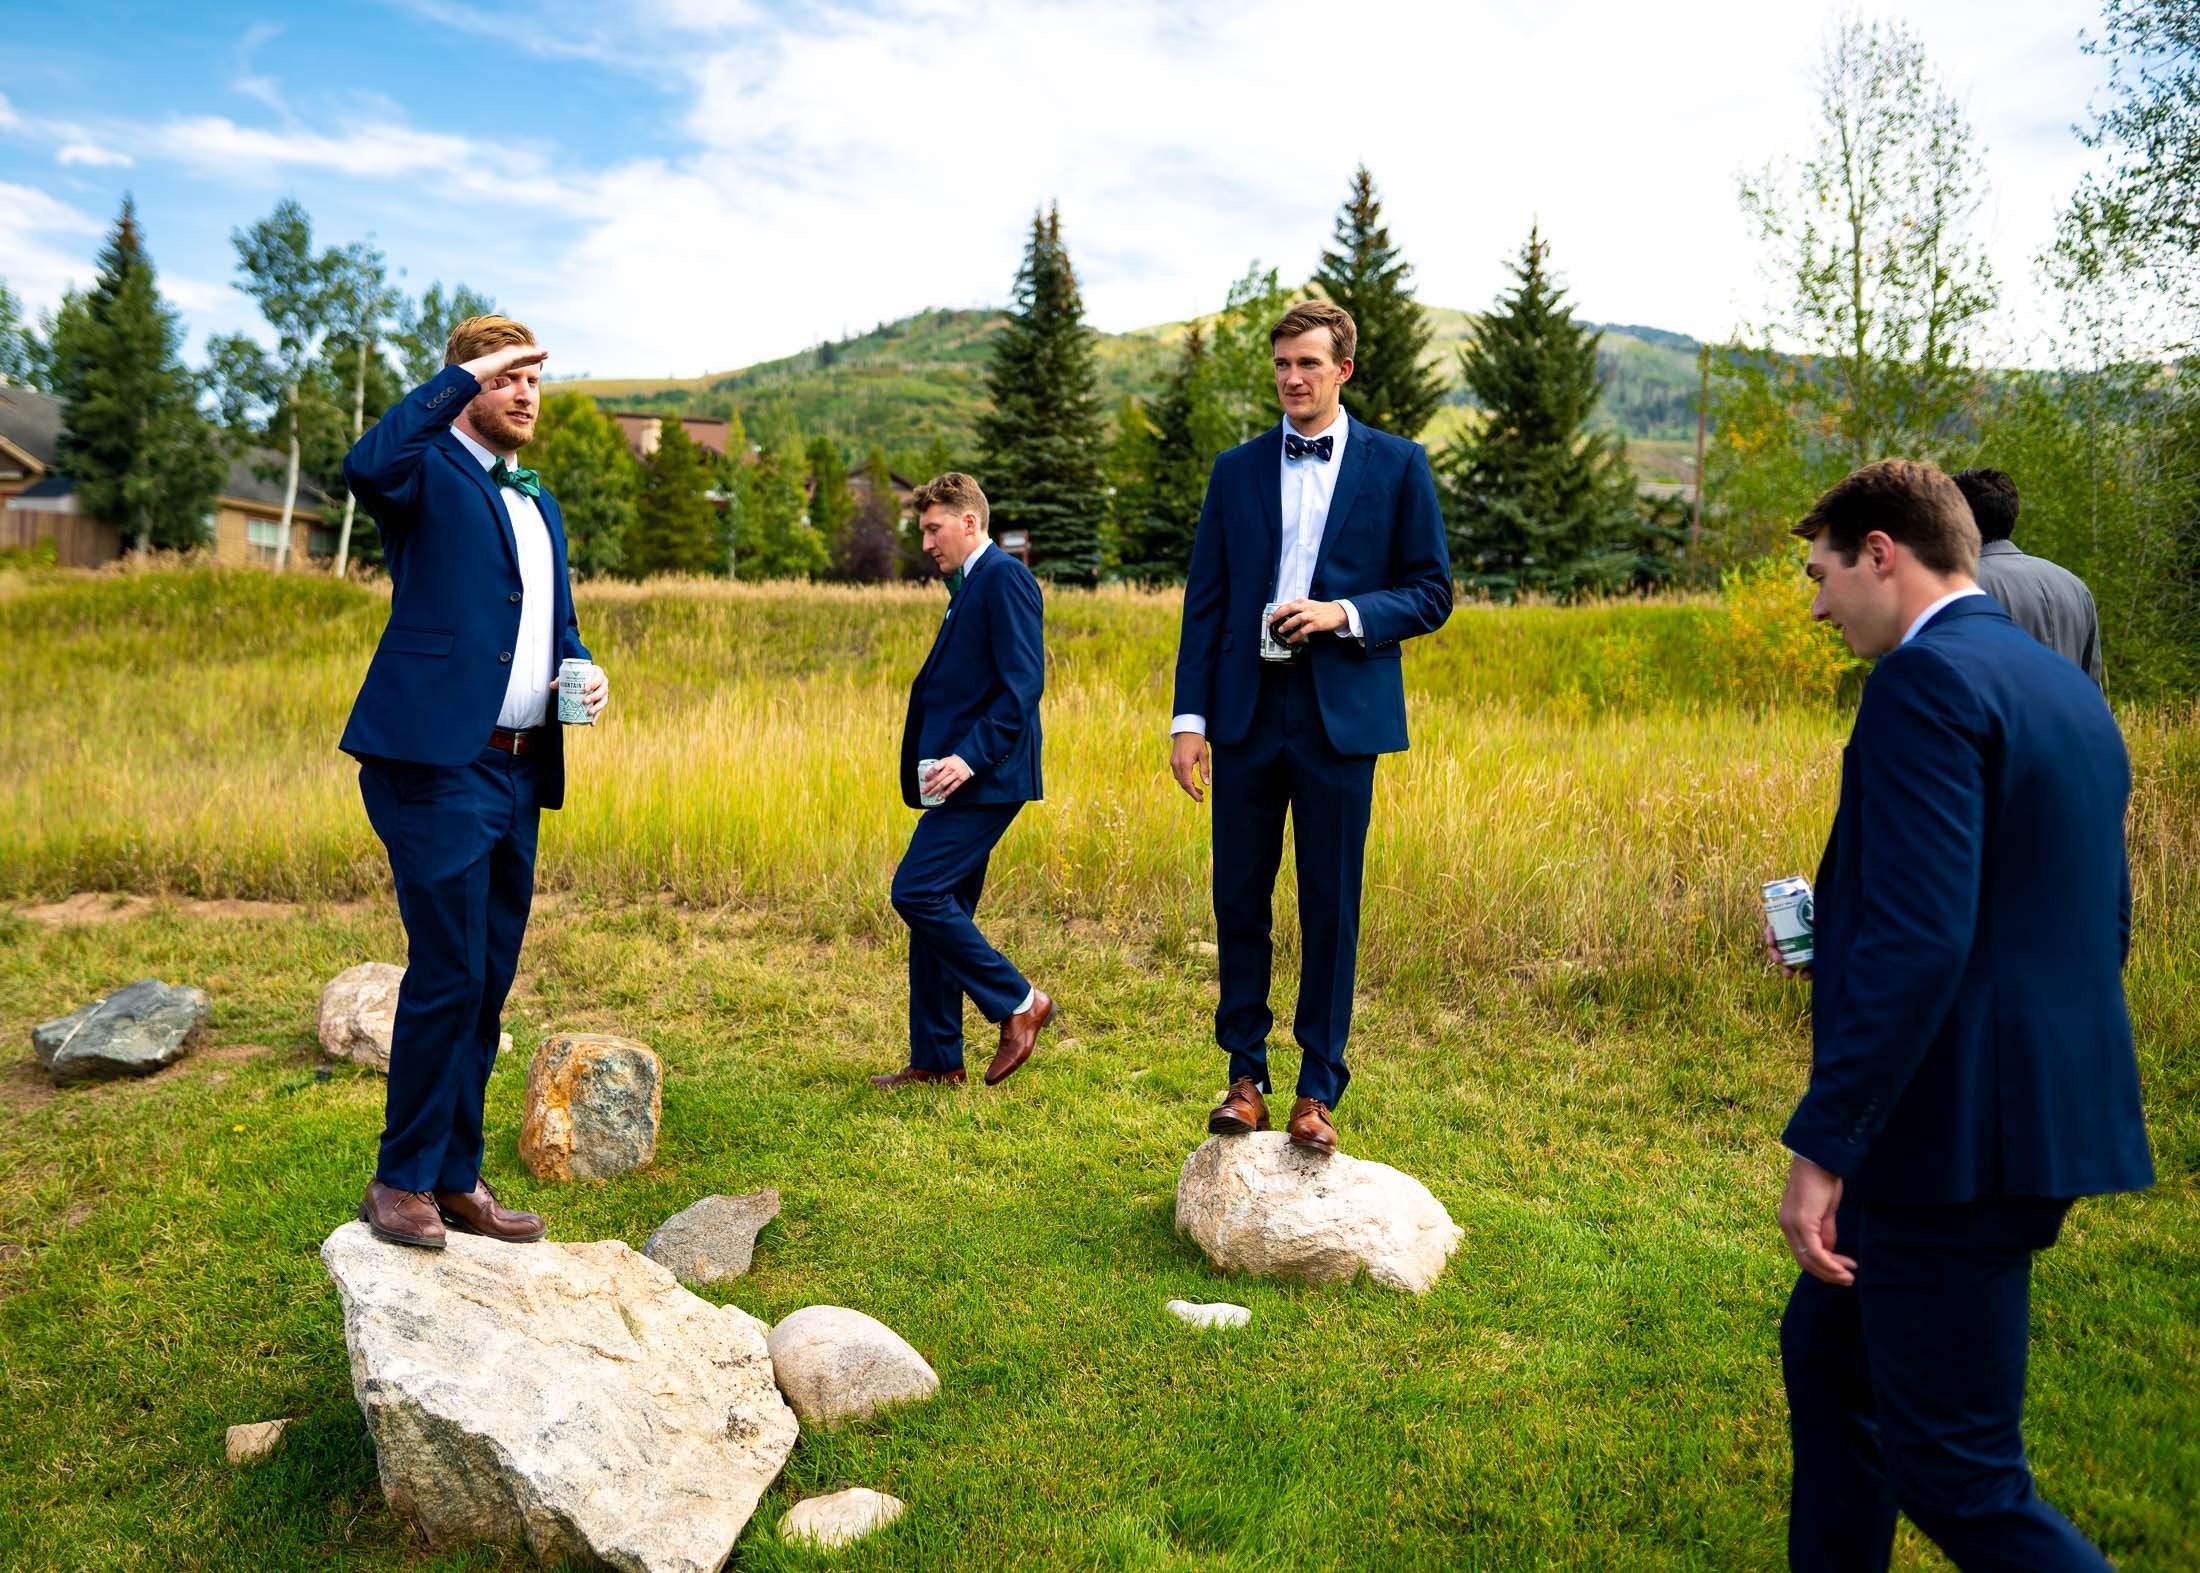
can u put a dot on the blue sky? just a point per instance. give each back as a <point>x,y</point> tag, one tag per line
<point>675,186</point>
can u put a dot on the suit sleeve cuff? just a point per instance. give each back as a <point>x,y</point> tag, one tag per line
<point>1352,620</point>
<point>1825,1149</point>
<point>1194,724</point>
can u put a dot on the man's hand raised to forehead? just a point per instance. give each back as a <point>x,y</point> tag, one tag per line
<point>485,369</point>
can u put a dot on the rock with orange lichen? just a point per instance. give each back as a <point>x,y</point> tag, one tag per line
<point>593,1103</point>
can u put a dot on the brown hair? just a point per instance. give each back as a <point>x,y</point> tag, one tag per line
<point>1910,502</point>
<point>953,490</point>
<point>1307,315</point>
<point>477,336</point>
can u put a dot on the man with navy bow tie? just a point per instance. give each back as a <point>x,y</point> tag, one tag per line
<point>458,751</point>
<point>970,760</point>
<point>1320,549</point>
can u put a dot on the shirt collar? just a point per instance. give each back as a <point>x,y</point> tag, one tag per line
<point>2001,548</point>
<point>1337,426</point>
<point>1926,616</point>
<point>488,459</point>
<point>976,552</point>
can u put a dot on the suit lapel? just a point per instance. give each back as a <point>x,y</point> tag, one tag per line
<point>1350,469</point>
<point>960,602</point>
<point>463,457</point>
<point>1269,457</point>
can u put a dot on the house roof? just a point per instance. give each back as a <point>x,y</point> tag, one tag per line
<point>31,421</point>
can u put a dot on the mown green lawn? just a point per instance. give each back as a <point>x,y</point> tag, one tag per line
<point>1593,1383</point>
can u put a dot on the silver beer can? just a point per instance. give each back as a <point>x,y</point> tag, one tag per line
<point>1793,916</point>
<point>1272,648</point>
<point>924,768</point>
<point>573,677</point>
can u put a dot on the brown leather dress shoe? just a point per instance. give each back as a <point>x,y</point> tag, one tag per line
<point>1019,1035</point>
<point>479,1212</point>
<point>1310,1127</point>
<point>1242,1109</point>
<point>402,1217</point>
<point>909,1074</point>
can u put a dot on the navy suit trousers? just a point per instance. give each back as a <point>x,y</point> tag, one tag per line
<point>1906,1392</point>
<point>461,842</point>
<point>1286,765</point>
<point>936,891</point>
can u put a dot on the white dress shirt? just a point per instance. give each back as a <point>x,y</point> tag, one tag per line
<point>535,652</point>
<point>1308,485</point>
<point>1926,616</point>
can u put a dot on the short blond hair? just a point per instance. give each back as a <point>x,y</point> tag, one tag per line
<point>953,490</point>
<point>1307,315</point>
<point>477,336</point>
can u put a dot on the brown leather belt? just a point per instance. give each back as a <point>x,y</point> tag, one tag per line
<point>524,742</point>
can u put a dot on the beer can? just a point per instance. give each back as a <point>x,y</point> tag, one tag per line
<point>573,678</point>
<point>1272,648</point>
<point>1789,909</point>
<point>924,768</point>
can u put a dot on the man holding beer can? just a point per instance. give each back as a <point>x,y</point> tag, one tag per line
<point>1972,1070</point>
<point>970,761</point>
<point>458,752</point>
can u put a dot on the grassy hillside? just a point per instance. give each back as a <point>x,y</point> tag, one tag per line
<point>904,384</point>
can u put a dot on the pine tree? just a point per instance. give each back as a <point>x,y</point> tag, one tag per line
<point>777,541</point>
<point>585,462</point>
<point>866,548</point>
<point>132,440</point>
<point>1390,388</point>
<point>1536,500</point>
<point>19,346</point>
<point>675,529</point>
<point>1159,508</point>
<point>832,503</point>
<point>1043,443</point>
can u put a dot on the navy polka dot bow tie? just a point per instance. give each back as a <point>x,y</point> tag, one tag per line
<point>1297,447</point>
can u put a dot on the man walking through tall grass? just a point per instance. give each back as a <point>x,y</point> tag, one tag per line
<point>458,752</point>
<point>970,760</point>
<point>1320,549</point>
<point>1972,1069</point>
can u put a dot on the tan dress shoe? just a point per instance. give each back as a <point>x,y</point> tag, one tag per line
<point>479,1212</point>
<point>1241,1110</point>
<point>909,1075</point>
<point>402,1217</point>
<point>1019,1035</point>
<point>1310,1127</point>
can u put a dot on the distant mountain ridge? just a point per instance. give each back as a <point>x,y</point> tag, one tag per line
<point>906,384</point>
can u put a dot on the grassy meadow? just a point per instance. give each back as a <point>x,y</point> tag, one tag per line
<point>1564,1029</point>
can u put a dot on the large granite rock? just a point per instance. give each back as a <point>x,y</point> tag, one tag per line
<point>358,1011</point>
<point>593,1103</point>
<point>835,1364</point>
<point>829,1522</point>
<point>1256,1204</point>
<point>574,1396</point>
<point>131,1032</point>
<point>713,1240</point>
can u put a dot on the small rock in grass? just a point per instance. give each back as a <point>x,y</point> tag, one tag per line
<point>835,1520</point>
<point>134,1031</point>
<point>248,1444</point>
<point>714,1239</point>
<point>1205,947</point>
<point>836,1364</point>
<point>1217,1315</point>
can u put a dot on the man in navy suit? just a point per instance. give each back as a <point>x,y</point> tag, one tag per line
<point>458,751</point>
<point>974,722</point>
<point>1972,1069</point>
<point>1320,549</point>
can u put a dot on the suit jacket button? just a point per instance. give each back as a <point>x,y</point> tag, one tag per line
<point>506,658</point>
<point>513,598</point>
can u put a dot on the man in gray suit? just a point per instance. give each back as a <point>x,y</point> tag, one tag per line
<point>2048,602</point>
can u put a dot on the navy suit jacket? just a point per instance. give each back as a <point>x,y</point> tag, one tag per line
<point>1970,1038</point>
<point>1382,549</point>
<point>437,681</point>
<point>977,694</point>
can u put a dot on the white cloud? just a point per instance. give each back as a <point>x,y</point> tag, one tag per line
<point>9,119</point>
<point>385,150</point>
<point>35,269</point>
<point>91,155</point>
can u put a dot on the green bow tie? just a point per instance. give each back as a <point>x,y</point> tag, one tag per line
<point>954,578</point>
<point>526,482</point>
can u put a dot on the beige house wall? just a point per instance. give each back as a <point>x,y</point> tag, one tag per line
<point>233,545</point>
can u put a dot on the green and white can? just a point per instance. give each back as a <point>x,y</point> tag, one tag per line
<point>573,679</point>
<point>1793,916</point>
